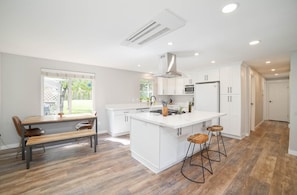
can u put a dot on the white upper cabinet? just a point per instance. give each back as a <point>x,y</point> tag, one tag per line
<point>188,81</point>
<point>162,86</point>
<point>172,86</point>
<point>208,75</point>
<point>230,77</point>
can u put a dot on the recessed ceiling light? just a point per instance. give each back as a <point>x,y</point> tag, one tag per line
<point>273,70</point>
<point>170,43</point>
<point>138,65</point>
<point>268,62</point>
<point>213,62</point>
<point>196,54</point>
<point>229,8</point>
<point>256,42</point>
<point>276,74</point>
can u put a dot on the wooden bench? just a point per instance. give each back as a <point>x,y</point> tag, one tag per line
<point>36,140</point>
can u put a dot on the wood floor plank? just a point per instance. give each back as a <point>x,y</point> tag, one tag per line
<point>258,164</point>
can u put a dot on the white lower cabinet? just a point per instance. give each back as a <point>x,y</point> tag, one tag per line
<point>231,104</point>
<point>183,143</point>
<point>173,145</point>
<point>119,122</point>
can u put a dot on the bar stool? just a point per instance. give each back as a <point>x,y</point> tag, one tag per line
<point>200,139</point>
<point>217,129</point>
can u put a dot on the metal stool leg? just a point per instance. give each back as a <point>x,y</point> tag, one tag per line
<point>225,153</point>
<point>219,136</point>
<point>202,162</point>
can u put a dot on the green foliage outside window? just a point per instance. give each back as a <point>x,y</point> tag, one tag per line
<point>146,89</point>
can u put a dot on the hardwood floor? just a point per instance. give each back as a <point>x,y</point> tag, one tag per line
<point>258,164</point>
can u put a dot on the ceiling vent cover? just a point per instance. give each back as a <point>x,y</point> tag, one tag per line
<point>164,23</point>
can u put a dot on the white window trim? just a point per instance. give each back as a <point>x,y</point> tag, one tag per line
<point>65,74</point>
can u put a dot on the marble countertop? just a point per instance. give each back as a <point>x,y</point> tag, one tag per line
<point>178,120</point>
<point>114,107</point>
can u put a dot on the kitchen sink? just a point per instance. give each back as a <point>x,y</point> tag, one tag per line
<point>170,111</point>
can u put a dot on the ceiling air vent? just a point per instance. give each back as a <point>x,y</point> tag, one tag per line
<point>164,23</point>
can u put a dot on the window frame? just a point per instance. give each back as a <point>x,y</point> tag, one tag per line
<point>64,74</point>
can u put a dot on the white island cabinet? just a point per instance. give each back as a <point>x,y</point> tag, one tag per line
<point>160,142</point>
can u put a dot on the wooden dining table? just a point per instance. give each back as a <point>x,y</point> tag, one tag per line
<point>50,119</point>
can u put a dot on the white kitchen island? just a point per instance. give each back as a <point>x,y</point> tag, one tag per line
<point>160,142</point>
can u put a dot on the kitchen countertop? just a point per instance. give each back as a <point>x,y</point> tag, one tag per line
<point>178,120</point>
<point>114,107</point>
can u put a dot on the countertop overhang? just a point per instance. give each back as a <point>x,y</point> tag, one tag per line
<point>178,120</point>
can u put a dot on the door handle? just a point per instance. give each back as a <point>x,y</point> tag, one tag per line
<point>270,101</point>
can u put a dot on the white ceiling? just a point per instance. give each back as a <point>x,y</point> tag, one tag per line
<point>91,32</point>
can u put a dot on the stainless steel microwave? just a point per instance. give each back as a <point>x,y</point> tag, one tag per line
<point>189,89</point>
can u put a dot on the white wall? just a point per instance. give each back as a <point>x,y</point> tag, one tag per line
<point>21,89</point>
<point>0,100</point>
<point>293,105</point>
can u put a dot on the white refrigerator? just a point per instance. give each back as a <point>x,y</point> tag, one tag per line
<point>207,98</point>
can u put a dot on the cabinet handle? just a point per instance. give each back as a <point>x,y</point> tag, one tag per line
<point>230,98</point>
<point>179,131</point>
<point>230,89</point>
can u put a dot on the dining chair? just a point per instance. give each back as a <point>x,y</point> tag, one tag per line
<point>28,132</point>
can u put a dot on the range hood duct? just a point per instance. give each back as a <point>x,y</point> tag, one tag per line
<point>167,67</point>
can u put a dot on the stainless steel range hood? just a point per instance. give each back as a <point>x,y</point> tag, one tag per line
<point>167,67</point>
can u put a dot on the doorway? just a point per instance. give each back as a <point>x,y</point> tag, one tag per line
<point>252,102</point>
<point>277,100</point>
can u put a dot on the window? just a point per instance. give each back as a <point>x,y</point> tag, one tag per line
<point>67,92</point>
<point>146,89</point>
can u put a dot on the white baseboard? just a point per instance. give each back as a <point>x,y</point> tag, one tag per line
<point>292,152</point>
<point>232,136</point>
<point>9,146</point>
<point>102,132</point>
<point>258,125</point>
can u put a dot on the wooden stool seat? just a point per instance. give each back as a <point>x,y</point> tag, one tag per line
<point>215,128</point>
<point>198,138</point>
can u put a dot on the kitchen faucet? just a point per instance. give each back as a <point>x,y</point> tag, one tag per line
<point>152,99</point>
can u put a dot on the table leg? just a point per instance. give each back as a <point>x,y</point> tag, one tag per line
<point>96,139</point>
<point>23,143</point>
<point>95,146</point>
<point>28,156</point>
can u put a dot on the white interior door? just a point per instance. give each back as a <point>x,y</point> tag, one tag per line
<point>252,103</point>
<point>278,101</point>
